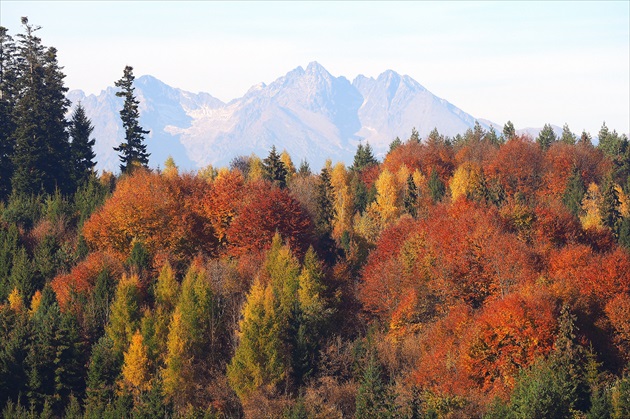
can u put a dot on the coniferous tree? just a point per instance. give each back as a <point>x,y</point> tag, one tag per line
<point>436,186</point>
<point>363,158</point>
<point>304,170</point>
<point>42,145</point>
<point>508,131</point>
<point>394,144</point>
<point>8,74</point>
<point>546,137</point>
<point>567,136</point>
<point>81,148</point>
<point>133,151</point>
<point>609,206</point>
<point>574,192</point>
<point>274,169</point>
<point>415,136</point>
<point>410,200</point>
<point>325,209</point>
<point>585,139</point>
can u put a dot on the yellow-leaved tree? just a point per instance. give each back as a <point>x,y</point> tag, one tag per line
<point>466,180</point>
<point>342,200</point>
<point>125,313</point>
<point>288,164</point>
<point>386,204</point>
<point>590,206</point>
<point>135,371</point>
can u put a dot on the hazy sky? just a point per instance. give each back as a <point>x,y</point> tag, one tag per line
<point>528,62</point>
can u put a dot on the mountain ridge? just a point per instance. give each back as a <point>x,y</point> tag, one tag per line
<point>308,112</point>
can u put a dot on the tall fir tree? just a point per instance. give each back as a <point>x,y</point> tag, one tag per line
<point>546,137</point>
<point>410,201</point>
<point>133,151</point>
<point>274,169</point>
<point>508,131</point>
<point>574,192</point>
<point>567,136</point>
<point>325,209</point>
<point>609,205</point>
<point>81,148</point>
<point>42,145</point>
<point>363,158</point>
<point>8,74</point>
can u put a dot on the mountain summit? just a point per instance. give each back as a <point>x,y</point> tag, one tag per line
<point>309,112</point>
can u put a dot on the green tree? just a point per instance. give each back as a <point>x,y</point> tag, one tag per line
<point>394,144</point>
<point>609,206</point>
<point>81,148</point>
<point>415,137</point>
<point>436,186</point>
<point>585,139</point>
<point>363,158</point>
<point>42,147</point>
<point>574,192</point>
<point>546,137</point>
<point>508,131</point>
<point>103,369</point>
<point>567,136</point>
<point>373,398</point>
<point>410,201</point>
<point>274,169</point>
<point>133,151</point>
<point>8,76</point>
<point>324,199</point>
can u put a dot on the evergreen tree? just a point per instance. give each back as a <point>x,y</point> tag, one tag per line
<point>609,206</point>
<point>133,151</point>
<point>304,169</point>
<point>436,186</point>
<point>274,169</point>
<point>567,136</point>
<point>585,139</point>
<point>492,137</point>
<point>324,199</point>
<point>546,137</point>
<point>373,400</point>
<point>42,147</point>
<point>394,144</point>
<point>410,200</point>
<point>8,75</point>
<point>81,149</point>
<point>574,192</point>
<point>508,131</point>
<point>415,136</point>
<point>363,157</point>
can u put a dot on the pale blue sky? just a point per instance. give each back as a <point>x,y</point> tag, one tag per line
<point>531,62</point>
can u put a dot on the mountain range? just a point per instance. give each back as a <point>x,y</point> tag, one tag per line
<point>307,112</point>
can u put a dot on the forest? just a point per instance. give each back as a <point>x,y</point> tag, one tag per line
<point>483,275</point>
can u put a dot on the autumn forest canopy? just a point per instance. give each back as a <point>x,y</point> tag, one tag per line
<point>484,275</point>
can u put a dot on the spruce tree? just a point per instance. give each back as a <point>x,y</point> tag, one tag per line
<point>81,149</point>
<point>394,144</point>
<point>609,206</point>
<point>133,151</point>
<point>574,192</point>
<point>436,186</point>
<point>41,155</point>
<point>546,137</point>
<point>363,158</point>
<point>508,131</point>
<point>325,210</point>
<point>275,170</point>
<point>410,200</point>
<point>8,74</point>
<point>567,136</point>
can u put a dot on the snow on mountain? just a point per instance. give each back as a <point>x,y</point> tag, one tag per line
<point>308,112</point>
